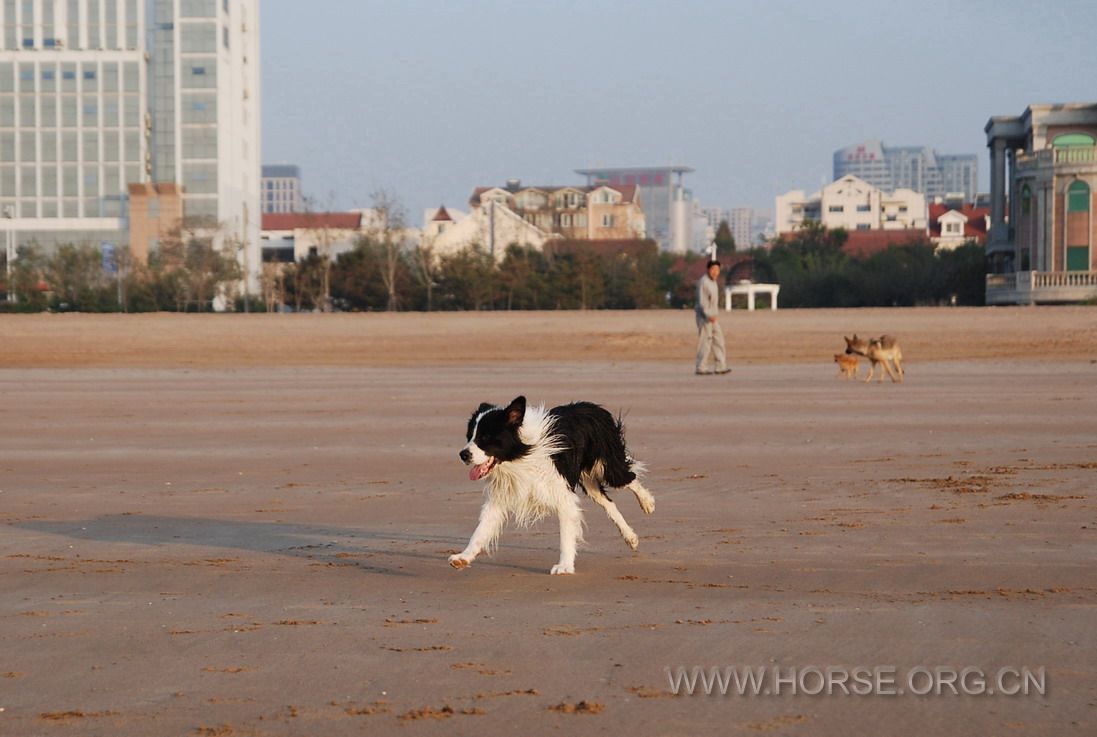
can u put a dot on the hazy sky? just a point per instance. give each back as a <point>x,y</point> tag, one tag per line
<point>430,99</point>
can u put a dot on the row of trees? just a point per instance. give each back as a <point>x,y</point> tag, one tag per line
<point>380,273</point>
<point>524,279</point>
<point>186,274</point>
<point>815,271</point>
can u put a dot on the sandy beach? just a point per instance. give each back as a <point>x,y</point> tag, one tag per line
<point>238,525</point>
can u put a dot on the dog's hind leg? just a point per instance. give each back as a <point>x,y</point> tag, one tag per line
<point>891,374</point>
<point>571,531</point>
<point>647,501</point>
<point>898,361</point>
<point>871,371</point>
<point>603,501</point>
<point>492,518</point>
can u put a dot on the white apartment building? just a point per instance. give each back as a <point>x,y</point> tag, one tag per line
<point>491,225</point>
<point>852,204</point>
<point>96,95</point>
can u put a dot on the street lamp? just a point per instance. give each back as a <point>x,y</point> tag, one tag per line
<point>8,214</point>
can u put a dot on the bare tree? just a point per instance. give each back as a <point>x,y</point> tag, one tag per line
<point>427,268</point>
<point>387,231</point>
<point>191,269</point>
<point>272,283</point>
<point>318,226</point>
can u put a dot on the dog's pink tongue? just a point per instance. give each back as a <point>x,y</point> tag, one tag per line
<point>477,472</point>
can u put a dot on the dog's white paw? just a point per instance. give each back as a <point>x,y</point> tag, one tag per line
<point>459,561</point>
<point>561,569</point>
<point>647,503</point>
<point>632,541</point>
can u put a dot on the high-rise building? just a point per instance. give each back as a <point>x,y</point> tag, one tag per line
<point>281,188</point>
<point>917,168</point>
<point>666,203</point>
<point>101,100</point>
<point>741,223</point>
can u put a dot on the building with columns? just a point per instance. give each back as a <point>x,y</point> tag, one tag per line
<point>1043,173</point>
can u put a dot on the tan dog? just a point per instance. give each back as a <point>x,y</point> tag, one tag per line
<point>847,365</point>
<point>880,350</point>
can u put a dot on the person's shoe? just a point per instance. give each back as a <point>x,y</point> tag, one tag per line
<point>723,371</point>
<point>703,373</point>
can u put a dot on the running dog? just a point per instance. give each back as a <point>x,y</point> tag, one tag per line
<point>533,459</point>
<point>847,365</point>
<point>880,350</point>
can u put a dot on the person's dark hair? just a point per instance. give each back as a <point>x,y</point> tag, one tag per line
<point>711,263</point>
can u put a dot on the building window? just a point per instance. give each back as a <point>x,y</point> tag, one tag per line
<point>864,226</point>
<point>607,221</point>
<point>1078,197</point>
<point>1077,227</point>
<point>864,208</point>
<point>1073,139</point>
<point>836,208</point>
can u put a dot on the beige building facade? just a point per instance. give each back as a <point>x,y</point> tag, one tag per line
<point>1042,243</point>
<point>155,210</point>
<point>533,216</point>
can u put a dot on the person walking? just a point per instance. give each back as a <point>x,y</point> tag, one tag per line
<point>711,353</point>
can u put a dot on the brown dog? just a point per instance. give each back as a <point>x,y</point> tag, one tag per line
<point>883,350</point>
<point>847,365</point>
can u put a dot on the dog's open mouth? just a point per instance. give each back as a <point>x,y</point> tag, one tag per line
<point>478,472</point>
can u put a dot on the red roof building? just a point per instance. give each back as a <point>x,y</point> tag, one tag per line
<point>953,225</point>
<point>311,220</point>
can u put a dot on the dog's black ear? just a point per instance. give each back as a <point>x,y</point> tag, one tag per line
<point>484,407</point>
<point>516,411</point>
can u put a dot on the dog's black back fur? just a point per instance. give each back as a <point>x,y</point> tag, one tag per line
<point>588,434</point>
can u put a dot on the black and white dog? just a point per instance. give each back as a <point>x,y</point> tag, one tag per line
<point>533,459</point>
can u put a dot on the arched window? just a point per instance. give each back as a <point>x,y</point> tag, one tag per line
<point>1026,200</point>
<point>1078,197</point>
<point>1073,139</point>
<point>1077,226</point>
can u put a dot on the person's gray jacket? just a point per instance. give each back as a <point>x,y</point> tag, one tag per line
<point>708,297</point>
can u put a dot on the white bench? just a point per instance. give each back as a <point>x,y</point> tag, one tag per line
<point>750,289</point>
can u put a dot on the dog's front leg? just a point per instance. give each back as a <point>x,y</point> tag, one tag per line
<point>871,371</point>
<point>492,518</point>
<point>571,530</point>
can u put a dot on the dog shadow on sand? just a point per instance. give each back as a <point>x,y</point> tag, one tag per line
<point>370,550</point>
